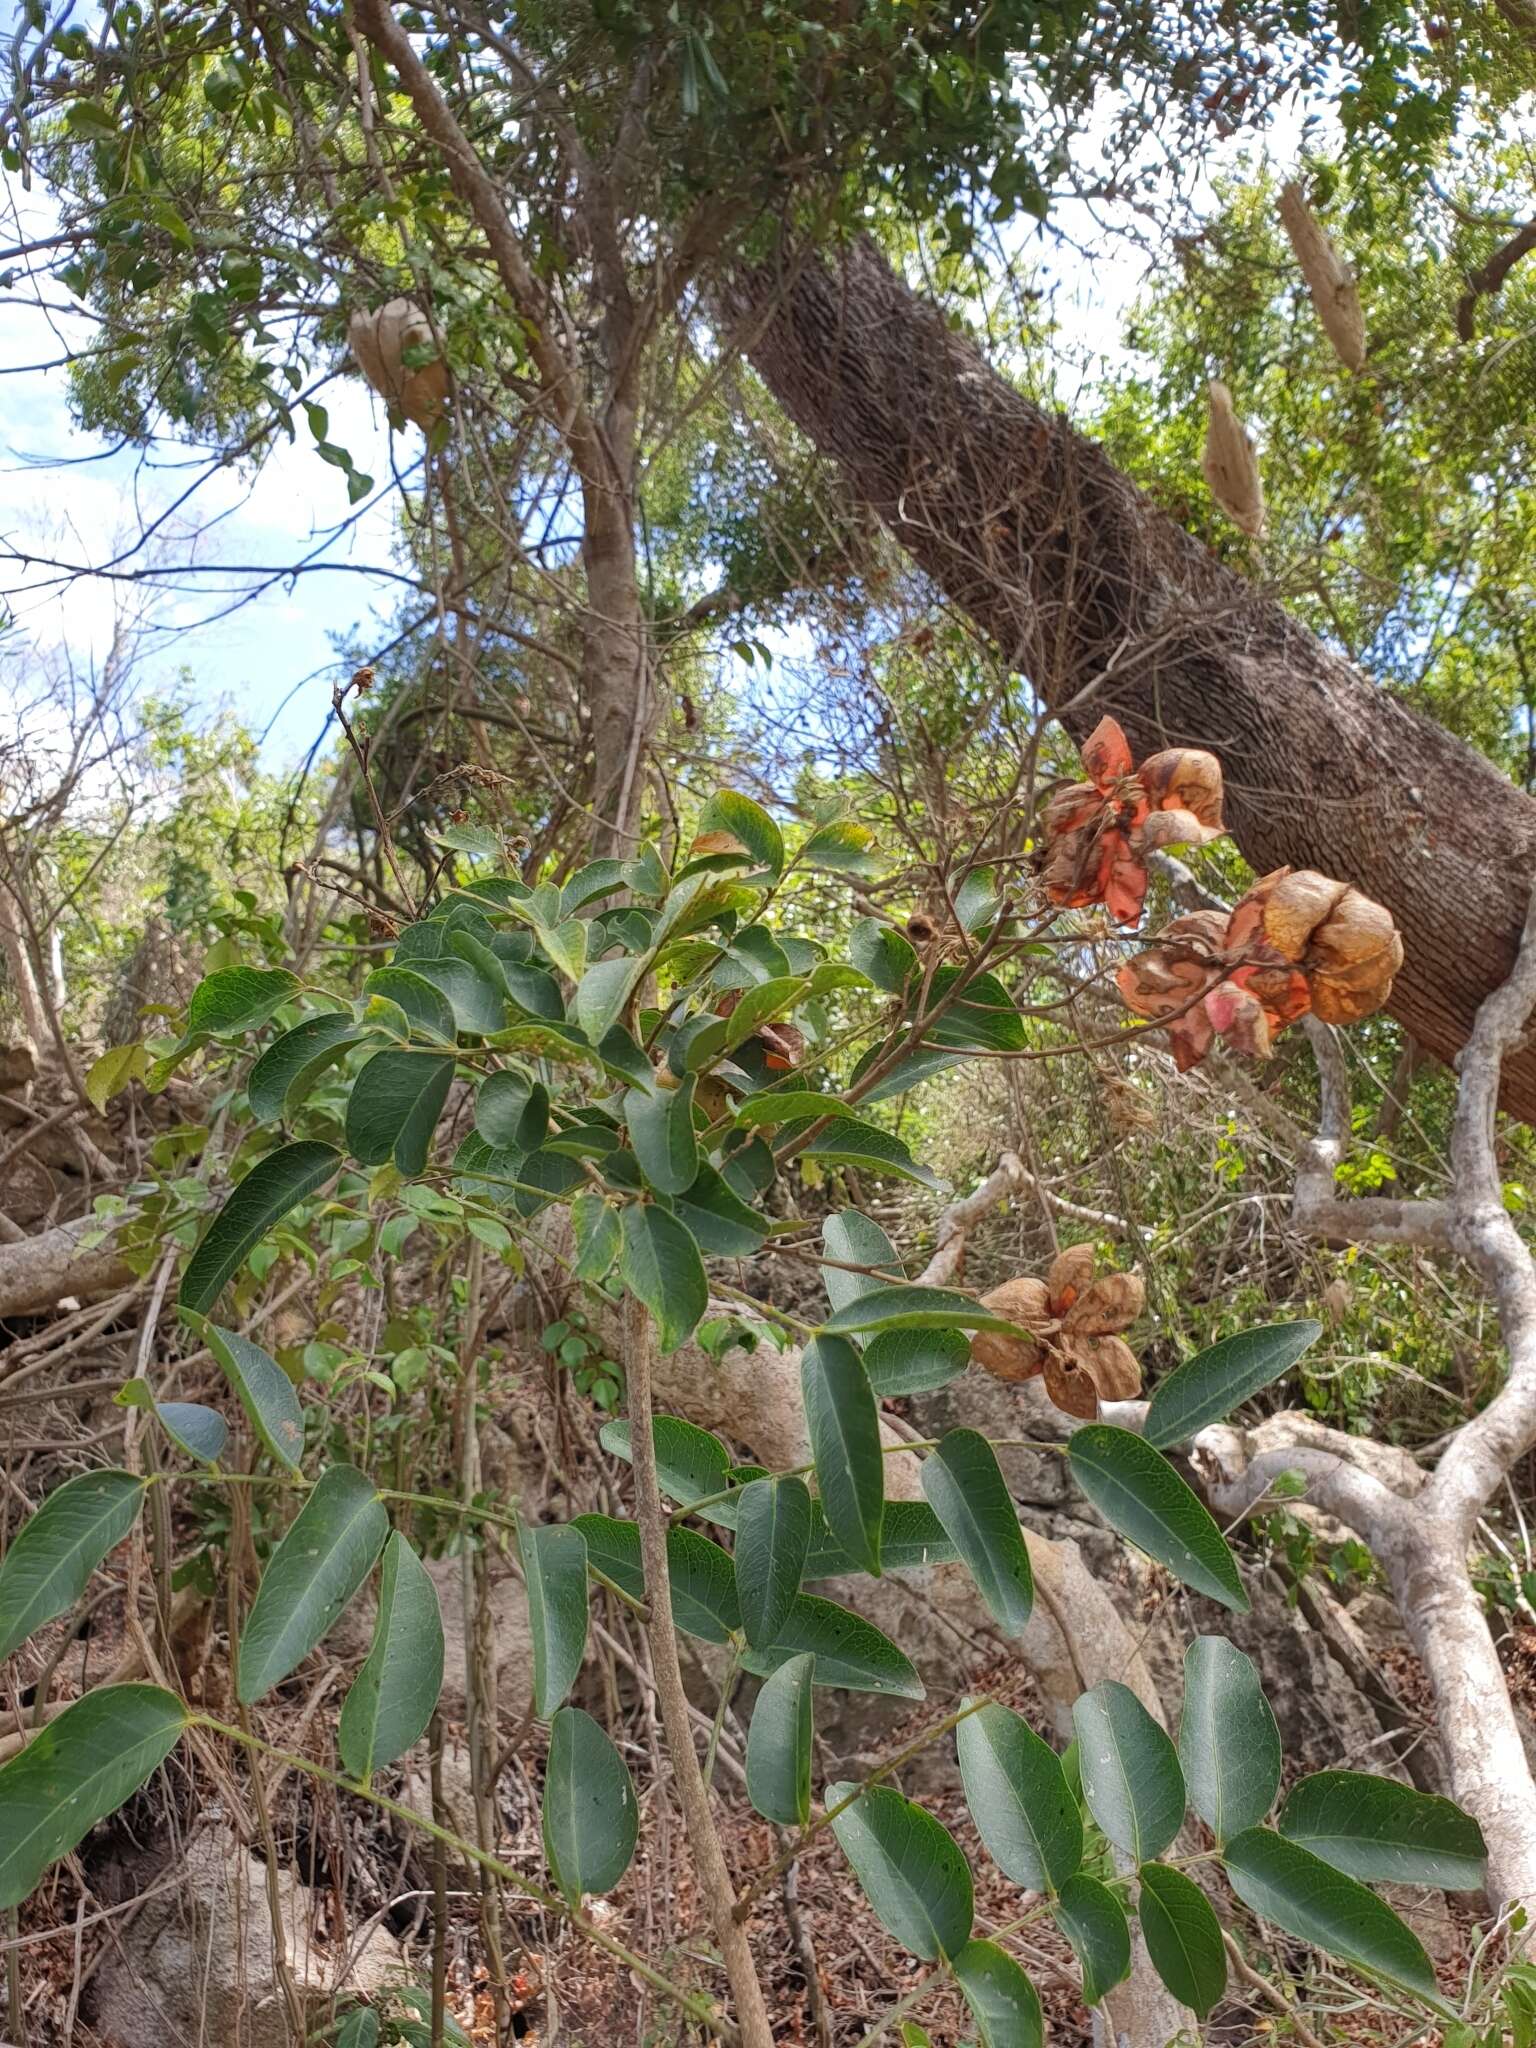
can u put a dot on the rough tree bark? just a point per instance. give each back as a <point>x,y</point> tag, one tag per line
<point>1104,604</point>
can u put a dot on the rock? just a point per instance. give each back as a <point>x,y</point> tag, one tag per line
<point>197,1964</point>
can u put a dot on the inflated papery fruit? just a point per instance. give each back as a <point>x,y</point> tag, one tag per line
<point>1297,942</point>
<point>1074,1319</point>
<point>1329,278</point>
<point>1230,465</point>
<point>379,342</point>
<point>1098,833</point>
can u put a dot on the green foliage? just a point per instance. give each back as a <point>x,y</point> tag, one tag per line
<point>49,1565</point>
<point>591,1820</point>
<point>393,1696</point>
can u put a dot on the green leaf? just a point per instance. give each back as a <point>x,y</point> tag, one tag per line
<point>850,1652</point>
<point>745,822</point>
<point>1131,1776</point>
<point>591,1820</point>
<point>292,1064</point>
<point>392,1697</point>
<point>779,1744</point>
<point>512,1112</point>
<point>603,992</point>
<point>1210,1385</point>
<point>595,1227</point>
<point>1229,1745</point>
<point>1309,1899</point>
<point>394,1106</point>
<point>901,1362</point>
<point>201,1432</point>
<point>792,1106</point>
<point>843,848</point>
<point>910,1868</point>
<point>555,1568</point>
<point>565,944</point>
<point>975,900</point>
<point>911,1537</point>
<point>1139,1494</point>
<point>1003,2002</point>
<point>701,1574</point>
<point>721,1222</point>
<point>851,1142</point>
<point>884,954</point>
<point>53,1555</point>
<point>970,1496</point>
<point>1024,1810</point>
<point>773,1534</point>
<point>660,1264</point>
<point>264,1391</point>
<point>597,878</point>
<point>660,1124</point>
<point>238,999</point>
<point>907,1074</point>
<point>917,1308</point>
<point>478,1002</point>
<point>1183,1937</point>
<point>761,1005</point>
<point>854,1239</point>
<point>843,1423</point>
<point>109,1075</point>
<point>1384,1832</point>
<point>1092,1919</point>
<point>359,2029</point>
<point>312,1575</point>
<point>273,1186</point>
<point>691,1463</point>
<point>76,1771</point>
<point>984,1018</point>
<point>426,1008</point>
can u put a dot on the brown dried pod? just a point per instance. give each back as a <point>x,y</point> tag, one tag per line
<point>1106,1306</point>
<point>1229,463</point>
<point>379,342</point>
<point>1329,278</point>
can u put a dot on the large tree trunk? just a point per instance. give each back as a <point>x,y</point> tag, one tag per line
<point>1104,604</point>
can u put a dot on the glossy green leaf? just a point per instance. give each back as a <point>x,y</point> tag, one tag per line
<point>983,1018</point>
<point>392,1697</point>
<point>660,1122</point>
<point>1386,1833</point>
<point>853,1239</point>
<point>264,1391</point>
<point>77,1770</point>
<point>970,1496</point>
<point>52,1556</point>
<point>911,1537</point>
<point>975,900</point>
<point>595,1227</point>
<point>1024,1810</point>
<point>736,816</point>
<point>201,1432</point>
<point>511,1114</point>
<point>917,1308</point>
<point>691,1463</point>
<point>1003,2002</point>
<point>883,953</point>
<point>851,1653</point>
<point>290,1067</point>
<point>1139,1494</point>
<point>311,1576</point>
<point>555,1571</point>
<point>591,1819</point>
<point>842,1421</point>
<point>720,1222</point>
<point>909,1866</point>
<point>849,1141</point>
<point>477,999</point>
<point>1131,1776</point>
<point>773,1534</point>
<point>1094,1922</point>
<point>844,847</point>
<point>394,1106</point>
<point>603,993</point>
<point>702,1576</point>
<point>660,1264</point>
<point>1183,1937</point>
<point>427,1009</point>
<point>790,1106</point>
<point>901,1362</point>
<point>273,1187</point>
<point>779,1744</point>
<point>358,2029</point>
<point>237,999</point>
<point>1209,1386</point>
<point>1308,1898</point>
<point>907,1074</point>
<point>1229,1745</point>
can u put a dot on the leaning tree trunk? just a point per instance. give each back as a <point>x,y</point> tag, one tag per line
<point>1104,604</point>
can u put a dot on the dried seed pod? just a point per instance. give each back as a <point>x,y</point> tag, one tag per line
<point>1185,780</point>
<point>1329,278</point>
<point>1071,1388</point>
<point>1022,1301</point>
<point>1106,1306</point>
<point>1068,1274</point>
<point>1229,464</point>
<point>1111,1364</point>
<point>379,342</point>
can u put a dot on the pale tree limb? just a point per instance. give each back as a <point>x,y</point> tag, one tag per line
<point>40,1272</point>
<point>1420,1526</point>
